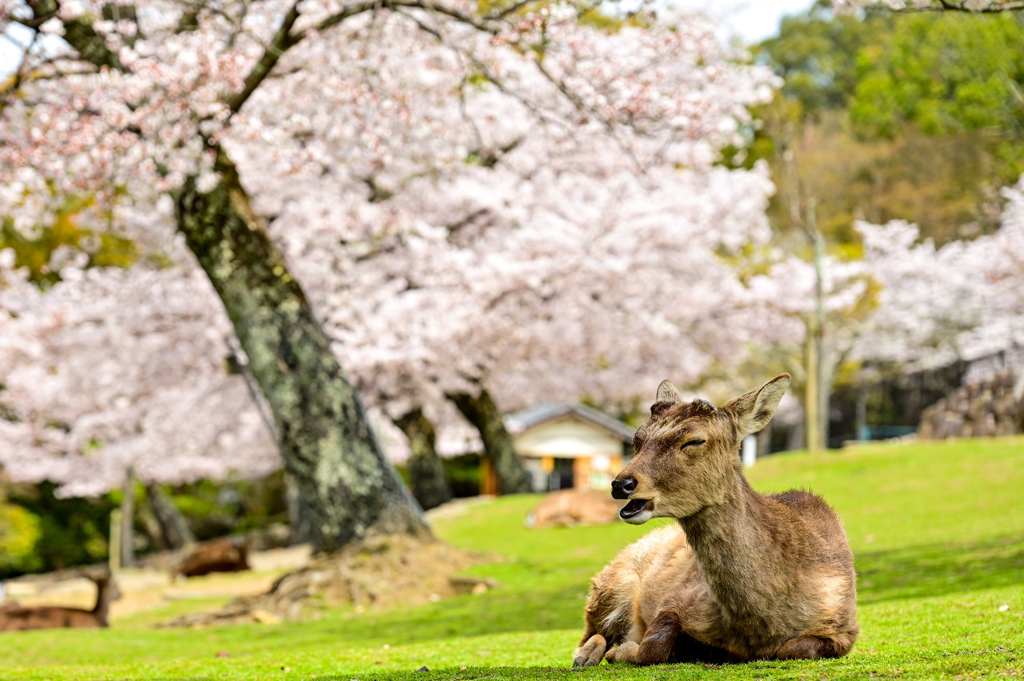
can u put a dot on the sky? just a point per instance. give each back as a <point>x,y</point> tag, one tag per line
<point>751,20</point>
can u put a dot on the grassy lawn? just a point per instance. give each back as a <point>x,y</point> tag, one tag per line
<point>937,530</point>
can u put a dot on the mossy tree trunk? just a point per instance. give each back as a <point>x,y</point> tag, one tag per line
<point>483,413</point>
<point>327,443</point>
<point>426,470</point>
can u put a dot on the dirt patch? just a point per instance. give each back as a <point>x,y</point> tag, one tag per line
<point>151,586</point>
<point>375,574</point>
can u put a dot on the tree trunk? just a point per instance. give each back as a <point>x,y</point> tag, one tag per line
<point>426,471</point>
<point>483,413</point>
<point>174,529</point>
<point>812,424</point>
<point>127,548</point>
<point>817,394</point>
<point>326,441</point>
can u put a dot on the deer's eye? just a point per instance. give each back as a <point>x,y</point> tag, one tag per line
<point>692,443</point>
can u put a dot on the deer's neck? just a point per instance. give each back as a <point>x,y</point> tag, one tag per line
<point>102,607</point>
<point>738,551</point>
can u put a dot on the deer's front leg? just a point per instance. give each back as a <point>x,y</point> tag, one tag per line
<point>657,644</point>
<point>591,652</point>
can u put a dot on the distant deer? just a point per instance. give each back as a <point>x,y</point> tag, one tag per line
<point>744,576</point>
<point>217,555</point>
<point>15,617</point>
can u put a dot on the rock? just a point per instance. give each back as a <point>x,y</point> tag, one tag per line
<point>265,617</point>
<point>472,585</point>
<point>983,409</point>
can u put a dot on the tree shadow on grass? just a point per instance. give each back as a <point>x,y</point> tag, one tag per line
<point>500,611</point>
<point>939,569</point>
<point>547,605</point>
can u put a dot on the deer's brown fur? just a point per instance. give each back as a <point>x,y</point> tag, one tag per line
<point>18,618</point>
<point>742,576</point>
<point>217,555</point>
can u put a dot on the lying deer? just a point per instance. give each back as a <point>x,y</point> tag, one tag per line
<point>18,618</point>
<point>218,555</point>
<point>744,576</point>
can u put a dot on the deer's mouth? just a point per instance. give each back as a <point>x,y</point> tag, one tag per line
<point>635,507</point>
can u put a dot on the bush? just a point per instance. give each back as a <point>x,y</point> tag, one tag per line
<point>19,533</point>
<point>71,531</point>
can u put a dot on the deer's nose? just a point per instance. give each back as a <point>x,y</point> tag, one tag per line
<point>621,489</point>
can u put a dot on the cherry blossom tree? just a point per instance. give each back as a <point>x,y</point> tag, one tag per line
<point>111,377</point>
<point>937,305</point>
<point>632,289</point>
<point>808,316</point>
<point>112,373</point>
<point>562,261</point>
<point>256,128</point>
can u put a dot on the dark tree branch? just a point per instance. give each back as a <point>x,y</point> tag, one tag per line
<point>284,38</point>
<point>511,9</point>
<point>950,6</point>
<point>282,41</point>
<point>485,25</point>
<point>79,33</point>
<point>947,6</point>
<point>14,84</point>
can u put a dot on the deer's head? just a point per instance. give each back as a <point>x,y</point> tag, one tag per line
<point>687,451</point>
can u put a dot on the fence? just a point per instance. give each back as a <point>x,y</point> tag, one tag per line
<point>892,406</point>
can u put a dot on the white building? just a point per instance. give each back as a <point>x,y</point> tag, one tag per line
<point>567,446</point>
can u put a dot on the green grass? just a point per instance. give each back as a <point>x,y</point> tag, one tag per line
<point>937,530</point>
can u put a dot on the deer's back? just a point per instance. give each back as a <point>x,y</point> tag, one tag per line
<point>47,617</point>
<point>814,530</point>
<point>815,552</point>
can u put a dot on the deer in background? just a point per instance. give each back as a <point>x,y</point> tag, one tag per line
<point>15,617</point>
<point>225,554</point>
<point>742,576</point>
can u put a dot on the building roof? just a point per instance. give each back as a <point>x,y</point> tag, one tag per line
<point>525,419</point>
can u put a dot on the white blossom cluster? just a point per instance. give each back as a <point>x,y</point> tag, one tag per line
<point>581,259</point>
<point>113,370</point>
<point>964,300</point>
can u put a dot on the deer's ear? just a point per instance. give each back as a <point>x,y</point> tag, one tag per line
<point>668,393</point>
<point>755,409</point>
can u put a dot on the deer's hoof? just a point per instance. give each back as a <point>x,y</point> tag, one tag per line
<point>591,652</point>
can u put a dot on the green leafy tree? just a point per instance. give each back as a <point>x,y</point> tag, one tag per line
<point>815,53</point>
<point>70,531</point>
<point>949,75</point>
<point>886,116</point>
